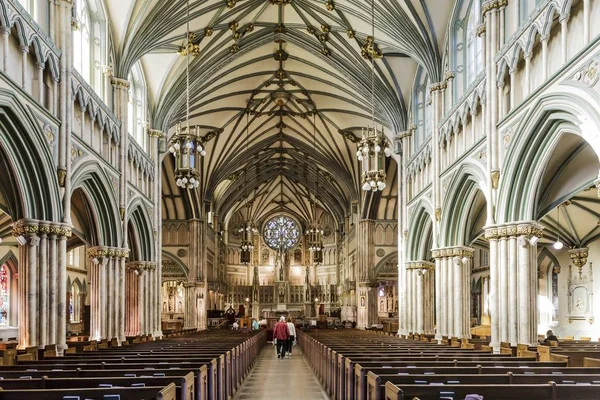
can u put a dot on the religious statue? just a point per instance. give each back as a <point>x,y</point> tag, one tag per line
<point>281,294</point>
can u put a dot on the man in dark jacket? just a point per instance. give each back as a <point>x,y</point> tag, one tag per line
<point>281,334</point>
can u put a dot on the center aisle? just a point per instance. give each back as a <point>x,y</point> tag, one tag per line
<point>289,379</point>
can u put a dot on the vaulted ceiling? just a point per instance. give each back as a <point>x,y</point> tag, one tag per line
<point>254,52</point>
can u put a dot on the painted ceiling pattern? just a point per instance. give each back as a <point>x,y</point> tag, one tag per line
<point>290,76</point>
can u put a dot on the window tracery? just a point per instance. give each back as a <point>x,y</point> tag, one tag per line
<point>136,107</point>
<point>468,46</point>
<point>90,43</point>
<point>281,232</point>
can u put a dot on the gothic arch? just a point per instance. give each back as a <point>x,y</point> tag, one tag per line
<point>99,197</point>
<point>457,209</point>
<point>29,181</point>
<point>385,265</point>
<point>536,138</point>
<point>139,225</point>
<point>420,234</point>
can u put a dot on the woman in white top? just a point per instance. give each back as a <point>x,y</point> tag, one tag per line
<point>291,339</point>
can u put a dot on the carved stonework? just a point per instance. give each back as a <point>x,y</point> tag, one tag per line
<point>581,292</point>
<point>495,176</point>
<point>589,74</point>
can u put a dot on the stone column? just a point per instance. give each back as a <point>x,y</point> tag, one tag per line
<point>105,269</point>
<point>41,258</point>
<point>513,307</point>
<point>421,297</point>
<point>132,298</point>
<point>454,304</point>
<point>401,148</point>
<point>202,307</point>
<point>367,307</point>
<point>189,319</point>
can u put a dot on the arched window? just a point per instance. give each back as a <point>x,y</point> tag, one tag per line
<point>422,112</point>
<point>4,295</point>
<point>468,46</point>
<point>89,43</point>
<point>136,106</point>
<point>75,303</point>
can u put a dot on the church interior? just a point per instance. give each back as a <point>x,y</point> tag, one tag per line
<point>390,177</point>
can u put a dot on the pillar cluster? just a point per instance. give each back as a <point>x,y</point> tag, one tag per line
<point>107,292</point>
<point>513,282</point>
<point>42,282</point>
<point>142,285</point>
<point>452,274</point>
<point>420,280</point>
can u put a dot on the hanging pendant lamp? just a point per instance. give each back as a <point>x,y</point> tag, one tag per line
<point>186,145</point>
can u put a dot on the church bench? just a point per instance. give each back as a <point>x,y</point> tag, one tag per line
<point>576,357</point>
<point>184,384</point>
<point>358,378</point>
<point>549,391</point>
<point>202,383</point>
<point>137,393</point>
<point>378,382</point>
<point>212,372</point>
<point>591,362</point>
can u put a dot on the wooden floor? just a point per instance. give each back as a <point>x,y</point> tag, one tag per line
<point>286,379</point>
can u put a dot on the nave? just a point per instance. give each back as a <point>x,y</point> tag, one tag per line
<point>288,378</point>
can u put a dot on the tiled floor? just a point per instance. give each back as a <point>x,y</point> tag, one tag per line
<point>286,379</point>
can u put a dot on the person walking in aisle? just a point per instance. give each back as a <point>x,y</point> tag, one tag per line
<point>281,335</point>
<point>291,339</point>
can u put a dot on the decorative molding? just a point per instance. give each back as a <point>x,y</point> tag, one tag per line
<point>531,228</point>
<point>458,251</point>
<point>103,252</point>
<point>31,228</point>
<point>419,265</point>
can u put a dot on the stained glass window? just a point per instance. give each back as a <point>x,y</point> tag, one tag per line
<point>281,232</point>
<point>4,295</point>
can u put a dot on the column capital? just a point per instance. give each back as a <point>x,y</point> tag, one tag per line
<point>597,183</point>
<point>449,75</point>
<point>119,83</point>
<point>457,251</point>
<point>419,265</point>
<point>32,227</point>
<point>155,133</point>
<point>491,5</point>
<point>141,266</point>
<point>101,252</point>
<point>523,228</point>
<point>438,86</point>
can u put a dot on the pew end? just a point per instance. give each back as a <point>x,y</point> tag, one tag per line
<point>392,392</point>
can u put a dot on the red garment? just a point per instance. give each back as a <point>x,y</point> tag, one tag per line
<point>281,331</point>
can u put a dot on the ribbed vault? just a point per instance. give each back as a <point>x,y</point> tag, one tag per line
<point>249,53</point>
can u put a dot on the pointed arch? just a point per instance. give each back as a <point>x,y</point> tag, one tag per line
<point>537,136</point>
<point>28,177</point>
<point>139,225</point>
<point>420,234</point>
<point>457,208</point>
<point>99,199</point>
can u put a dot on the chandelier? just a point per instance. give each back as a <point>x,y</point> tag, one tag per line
<point>315,232</point>
<point>186,145</point>
<point>248,230</point>
<point>374,147</point>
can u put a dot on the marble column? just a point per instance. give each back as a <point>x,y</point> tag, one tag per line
<point>106,268</point>
<point>420,277</point>
<point>454,292</point>
<point>132,299</point>
<point>42,255</point>
<point>513,307</point>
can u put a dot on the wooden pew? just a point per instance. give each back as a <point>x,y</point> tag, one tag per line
<point>137,393</point>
